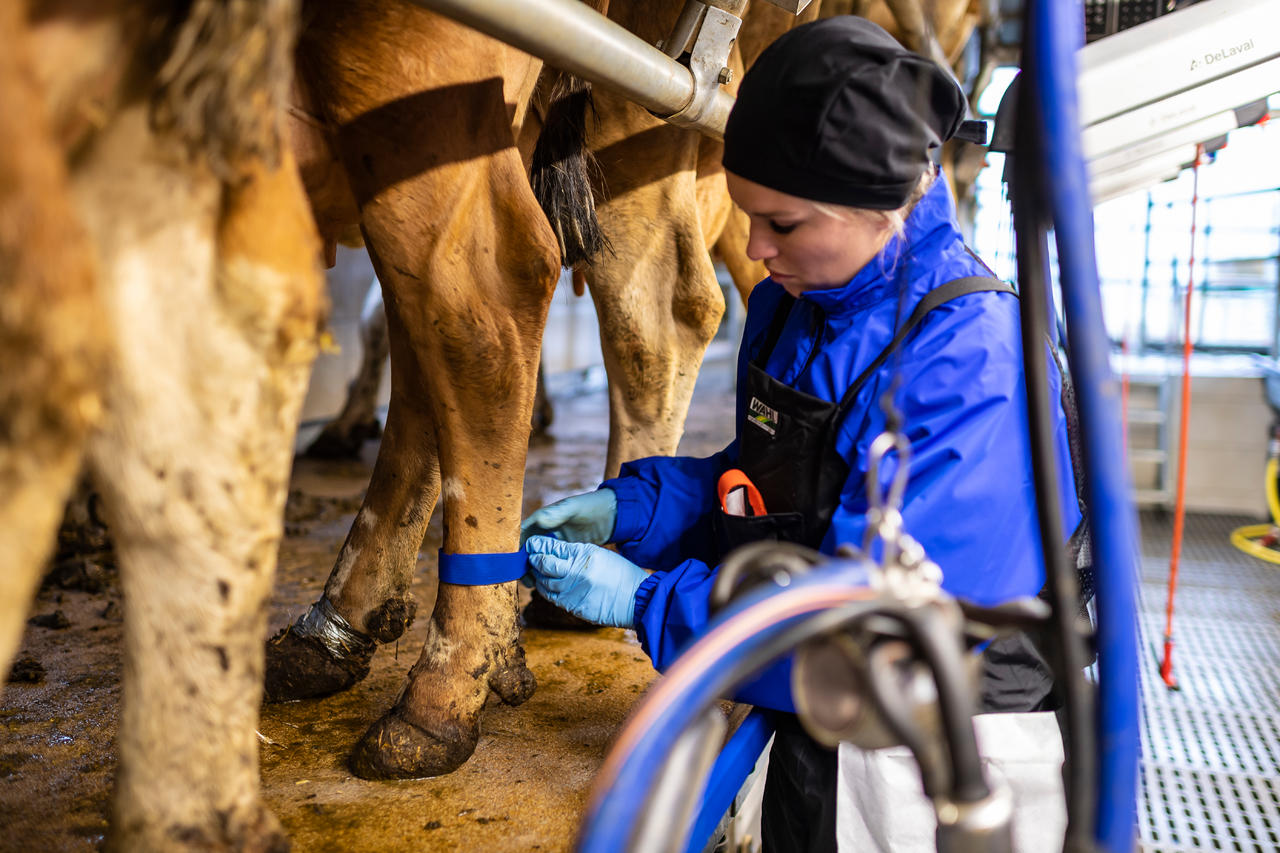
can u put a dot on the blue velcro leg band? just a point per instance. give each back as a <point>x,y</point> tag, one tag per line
<point>481,569</point>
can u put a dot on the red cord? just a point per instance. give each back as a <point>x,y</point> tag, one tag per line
<point>1179,509</point>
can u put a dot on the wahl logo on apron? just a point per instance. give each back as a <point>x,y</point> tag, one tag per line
<point>762,416</point>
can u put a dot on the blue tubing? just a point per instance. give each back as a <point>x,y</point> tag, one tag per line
<point>1054,27</point>
<point>736,761</point>
<point>766,623</point>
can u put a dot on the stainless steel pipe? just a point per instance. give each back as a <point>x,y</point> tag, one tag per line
<point>571,36</point>
<point>686,25</point>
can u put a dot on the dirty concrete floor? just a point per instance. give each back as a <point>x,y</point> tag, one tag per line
<point>523,789</point>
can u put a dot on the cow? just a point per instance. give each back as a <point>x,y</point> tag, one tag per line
<point>160,307</point>
<point>430,164</point>
<point>638,282</point>
<point>416,127</point>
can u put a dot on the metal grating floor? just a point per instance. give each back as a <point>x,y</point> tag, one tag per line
<point>1211,750</point>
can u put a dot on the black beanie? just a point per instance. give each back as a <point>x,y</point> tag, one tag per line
<point>837,111</point>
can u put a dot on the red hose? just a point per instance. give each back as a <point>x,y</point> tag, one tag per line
<point>1179,507</point>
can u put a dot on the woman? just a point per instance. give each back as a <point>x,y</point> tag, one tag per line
<point>828,151</point>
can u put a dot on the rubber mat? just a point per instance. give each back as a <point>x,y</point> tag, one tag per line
<point>1211,749</point>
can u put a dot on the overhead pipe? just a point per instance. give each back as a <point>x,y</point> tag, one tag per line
<point>569,35</point>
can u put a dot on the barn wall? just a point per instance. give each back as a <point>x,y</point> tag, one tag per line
<point>1227,442</point>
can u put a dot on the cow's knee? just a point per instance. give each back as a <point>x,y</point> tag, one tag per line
<point>698,303</point>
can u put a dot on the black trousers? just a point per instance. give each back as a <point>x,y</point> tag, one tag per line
<point>798,813</point>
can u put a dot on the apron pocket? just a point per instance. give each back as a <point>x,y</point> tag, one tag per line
<point>733,531</point>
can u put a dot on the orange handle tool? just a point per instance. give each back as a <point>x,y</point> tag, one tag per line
<point>736,479</point>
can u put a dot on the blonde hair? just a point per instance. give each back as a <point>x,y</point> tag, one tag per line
<point>894,220</point>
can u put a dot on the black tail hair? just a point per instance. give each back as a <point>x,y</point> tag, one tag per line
<point>562,170</point>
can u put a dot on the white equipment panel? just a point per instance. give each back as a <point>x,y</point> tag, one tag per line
<point>1151,93</point>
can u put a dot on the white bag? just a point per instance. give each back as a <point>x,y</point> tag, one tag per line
<point>880,804</point>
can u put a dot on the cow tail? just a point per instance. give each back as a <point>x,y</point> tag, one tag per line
<point>222,84</point>
<point>563,170</point>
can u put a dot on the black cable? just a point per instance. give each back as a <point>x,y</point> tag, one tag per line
<point>940,647</point>
<point>886,696</point>
<point>759,562</point>
<point>1067,651</point>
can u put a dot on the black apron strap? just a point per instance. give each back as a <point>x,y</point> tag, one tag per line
<point>938,296</point>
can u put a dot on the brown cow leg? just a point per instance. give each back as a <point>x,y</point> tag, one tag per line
<point>366,598</point>
<point>467,264</point>
<point>51,337</point>
<point>467,332</point>
<point>419,142</point>
<point>656,294</point>
<point>732,249</point>
<point>217,332</point>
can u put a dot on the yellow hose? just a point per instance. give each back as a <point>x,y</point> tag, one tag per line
<point>1247,538</point>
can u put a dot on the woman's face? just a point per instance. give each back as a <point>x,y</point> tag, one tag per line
<point>802,247</point>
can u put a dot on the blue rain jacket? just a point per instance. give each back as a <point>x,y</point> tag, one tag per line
<point>970,498</point>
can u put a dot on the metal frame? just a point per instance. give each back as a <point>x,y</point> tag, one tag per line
<point>576,38</point>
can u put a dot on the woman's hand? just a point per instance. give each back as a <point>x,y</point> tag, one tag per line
<point>581,518</point>
<point>586,580</point>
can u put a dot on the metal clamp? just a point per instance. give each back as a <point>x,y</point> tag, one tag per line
<point>710,104</point>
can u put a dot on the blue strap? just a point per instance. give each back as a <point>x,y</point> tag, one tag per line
<point>481,569</point>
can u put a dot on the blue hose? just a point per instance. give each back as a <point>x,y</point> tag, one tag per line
<point>1054,28</point>
<point>765,624</point>
<point>736,761</point>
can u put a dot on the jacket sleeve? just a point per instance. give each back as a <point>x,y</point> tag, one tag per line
<point>665,504</point>
<point>672,609</point>
<point>970,498</point>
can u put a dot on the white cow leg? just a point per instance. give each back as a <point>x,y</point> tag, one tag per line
<point>215,294</point>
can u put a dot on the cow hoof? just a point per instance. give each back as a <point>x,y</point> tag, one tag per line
<point>394,748</point>
<point>318,656</point>
<point>540,613</point>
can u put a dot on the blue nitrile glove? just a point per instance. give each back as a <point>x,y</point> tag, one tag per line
<point>581,518</point>
<point>590,582</point>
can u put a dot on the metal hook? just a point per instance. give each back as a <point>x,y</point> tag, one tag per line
<point>884,512</point>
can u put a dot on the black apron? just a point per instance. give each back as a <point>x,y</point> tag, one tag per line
<point>787,446</point>
<point>787,449</point>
